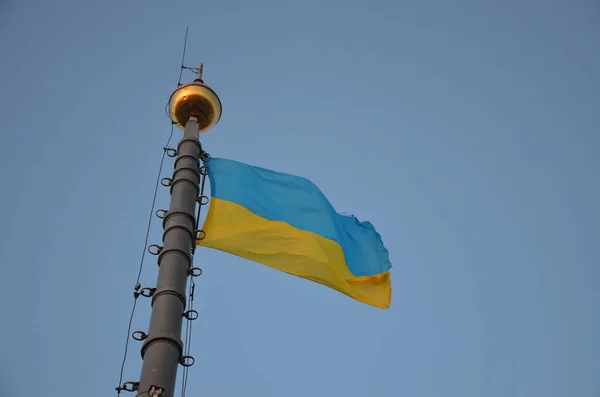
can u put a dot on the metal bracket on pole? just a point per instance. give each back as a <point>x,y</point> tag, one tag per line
<point>156,391</point>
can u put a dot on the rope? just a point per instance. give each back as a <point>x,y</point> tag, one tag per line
<point>137,282</point>
<point>188,336</point>
<point>183,57</point>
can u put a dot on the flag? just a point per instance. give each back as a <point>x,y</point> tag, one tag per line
<point>285,222</point>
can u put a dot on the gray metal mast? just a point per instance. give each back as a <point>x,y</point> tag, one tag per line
<point>195,108</point>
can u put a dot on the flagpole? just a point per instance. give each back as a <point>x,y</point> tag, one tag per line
<point>195,108</point>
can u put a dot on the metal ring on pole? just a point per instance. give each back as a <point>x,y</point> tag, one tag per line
<point>205,157</point>
<point>170,151</point>
<point>166,182</point>
<point>195,272</point>
<point>203,170</point>
<point>187,361</point>
<point>155,249</point>
<point>200,234</point>
<point>139,335</point>
<point>147,292</point>
<point>129,386</point>
<point>203,200</point>
<point>191,315</point>
<point>161,213</point>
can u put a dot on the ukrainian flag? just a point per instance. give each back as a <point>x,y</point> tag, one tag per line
<point>285,222</point>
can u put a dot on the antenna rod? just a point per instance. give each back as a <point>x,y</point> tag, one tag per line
<point>162,351</point>
<point>200,71</point>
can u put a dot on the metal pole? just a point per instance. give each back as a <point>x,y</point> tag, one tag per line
<point>162,350</point>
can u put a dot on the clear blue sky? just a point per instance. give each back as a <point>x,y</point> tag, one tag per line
<point>468,132</point>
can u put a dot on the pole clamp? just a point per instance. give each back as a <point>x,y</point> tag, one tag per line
<point>169,292</point>
<point>191,233</point>
<point>175,180</point>
<point>196,141</point>
<point>175,211</point>
<point>163,337</point>
<point>163,251</point>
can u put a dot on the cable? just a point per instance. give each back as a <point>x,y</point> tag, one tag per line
<point>188,336</point>
<point>162,161</point>
<point>137,283</point>
<point>183,57</point>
